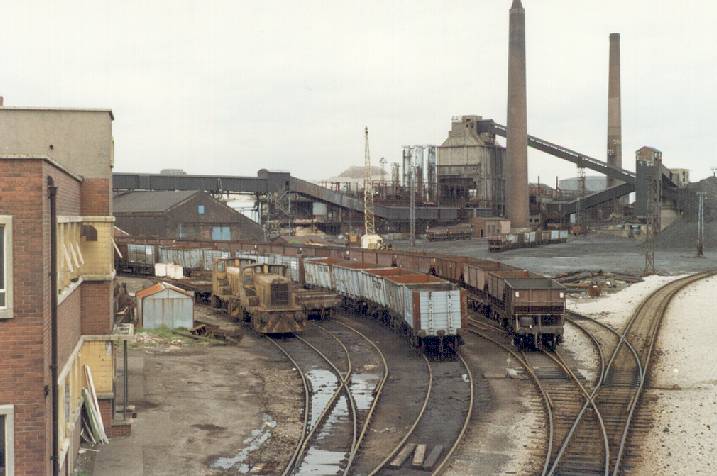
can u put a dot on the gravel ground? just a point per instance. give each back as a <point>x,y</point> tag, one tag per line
<point>592,252</point>
<point>507,415</point>
<point>684,382</point>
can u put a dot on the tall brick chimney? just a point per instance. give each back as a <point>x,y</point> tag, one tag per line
<point>614,109</point>
<point>516,170</point>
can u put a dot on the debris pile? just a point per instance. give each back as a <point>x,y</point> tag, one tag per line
<point>595,283</point>
<point>682,234</point>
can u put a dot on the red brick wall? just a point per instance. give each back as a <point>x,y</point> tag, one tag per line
<point>96,196</point>
<point>97,308</point>
<point>68,191</point>
<point>25,339</point>
<point>23,345</point>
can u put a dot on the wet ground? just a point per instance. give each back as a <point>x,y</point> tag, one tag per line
<point>206,408</point>
<point>591,253</point>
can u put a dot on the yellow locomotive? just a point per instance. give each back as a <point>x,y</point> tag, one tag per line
<point>260,293</point>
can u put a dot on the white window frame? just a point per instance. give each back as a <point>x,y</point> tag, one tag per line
<point>6,311</point>
<point>8,411</point>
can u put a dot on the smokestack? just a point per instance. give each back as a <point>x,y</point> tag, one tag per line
<point>614,114</point>
<point>517,134</point>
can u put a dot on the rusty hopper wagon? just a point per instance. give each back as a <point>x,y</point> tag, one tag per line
<point>537,307</point>
<point>530,307</point>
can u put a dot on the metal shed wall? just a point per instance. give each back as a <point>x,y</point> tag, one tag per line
<point>168,308</point>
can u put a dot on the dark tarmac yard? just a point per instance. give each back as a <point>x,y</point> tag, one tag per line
<point>592,253</point>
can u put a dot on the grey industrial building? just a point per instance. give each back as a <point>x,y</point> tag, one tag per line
<point>182,215</point>
<point>470,167</point>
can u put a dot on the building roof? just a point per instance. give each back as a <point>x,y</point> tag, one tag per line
<point>58,109</point>
<point>159,287</point>
<point>41,157</point>
<point>162,201</point>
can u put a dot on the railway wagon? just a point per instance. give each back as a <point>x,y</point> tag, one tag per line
<point>454,232</point>
<point>536,306</point>
<point>428,310</point>
<point>136,258</point>
<point>528,306</point>
<point>464,271</point>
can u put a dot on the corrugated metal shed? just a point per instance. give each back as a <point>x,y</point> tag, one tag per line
<point>165,305</point>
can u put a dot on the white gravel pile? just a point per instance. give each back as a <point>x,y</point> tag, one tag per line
<point>684,436</point>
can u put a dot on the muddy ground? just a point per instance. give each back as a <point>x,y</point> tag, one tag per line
<point>205,407</point>
<point>593,253</point>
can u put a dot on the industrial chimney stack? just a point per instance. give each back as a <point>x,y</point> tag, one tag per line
<point>614,114</point>
<point>516,170</point>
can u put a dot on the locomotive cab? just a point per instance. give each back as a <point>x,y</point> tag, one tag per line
<point>268,300</point>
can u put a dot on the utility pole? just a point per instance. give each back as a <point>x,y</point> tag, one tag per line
<point>700,224</point>
<point>653,210</point>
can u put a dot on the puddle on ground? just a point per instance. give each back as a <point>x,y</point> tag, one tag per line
<point>322,462</point>
<point>319,460</point>
<point>362,388</point>
<point>323,386</point>
<point>254,442</point>
<point>339,415</point>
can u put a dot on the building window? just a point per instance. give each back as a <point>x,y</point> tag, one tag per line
<point>6,440</point>
<point>200,209</point>
<point>221,233</point>
<point>5,266</point>
<point>68,402</point>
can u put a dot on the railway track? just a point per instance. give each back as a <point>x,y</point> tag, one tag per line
<point>499,338</point>
<point>618,391</point>
<point>564,393</point>
<point>439,426</point>
<point>330,420</point>
<point>340,395</point>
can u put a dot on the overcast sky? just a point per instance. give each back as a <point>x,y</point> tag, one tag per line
<point>229,87</point>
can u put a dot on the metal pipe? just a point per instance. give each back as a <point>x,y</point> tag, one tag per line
<point>52,195</point>
<point>126,380</point>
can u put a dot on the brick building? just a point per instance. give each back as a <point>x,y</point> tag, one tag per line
<point>69,151</point>
<point>182,215</point>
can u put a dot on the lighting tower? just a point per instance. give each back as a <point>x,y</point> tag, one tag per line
<point>369,221</point>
